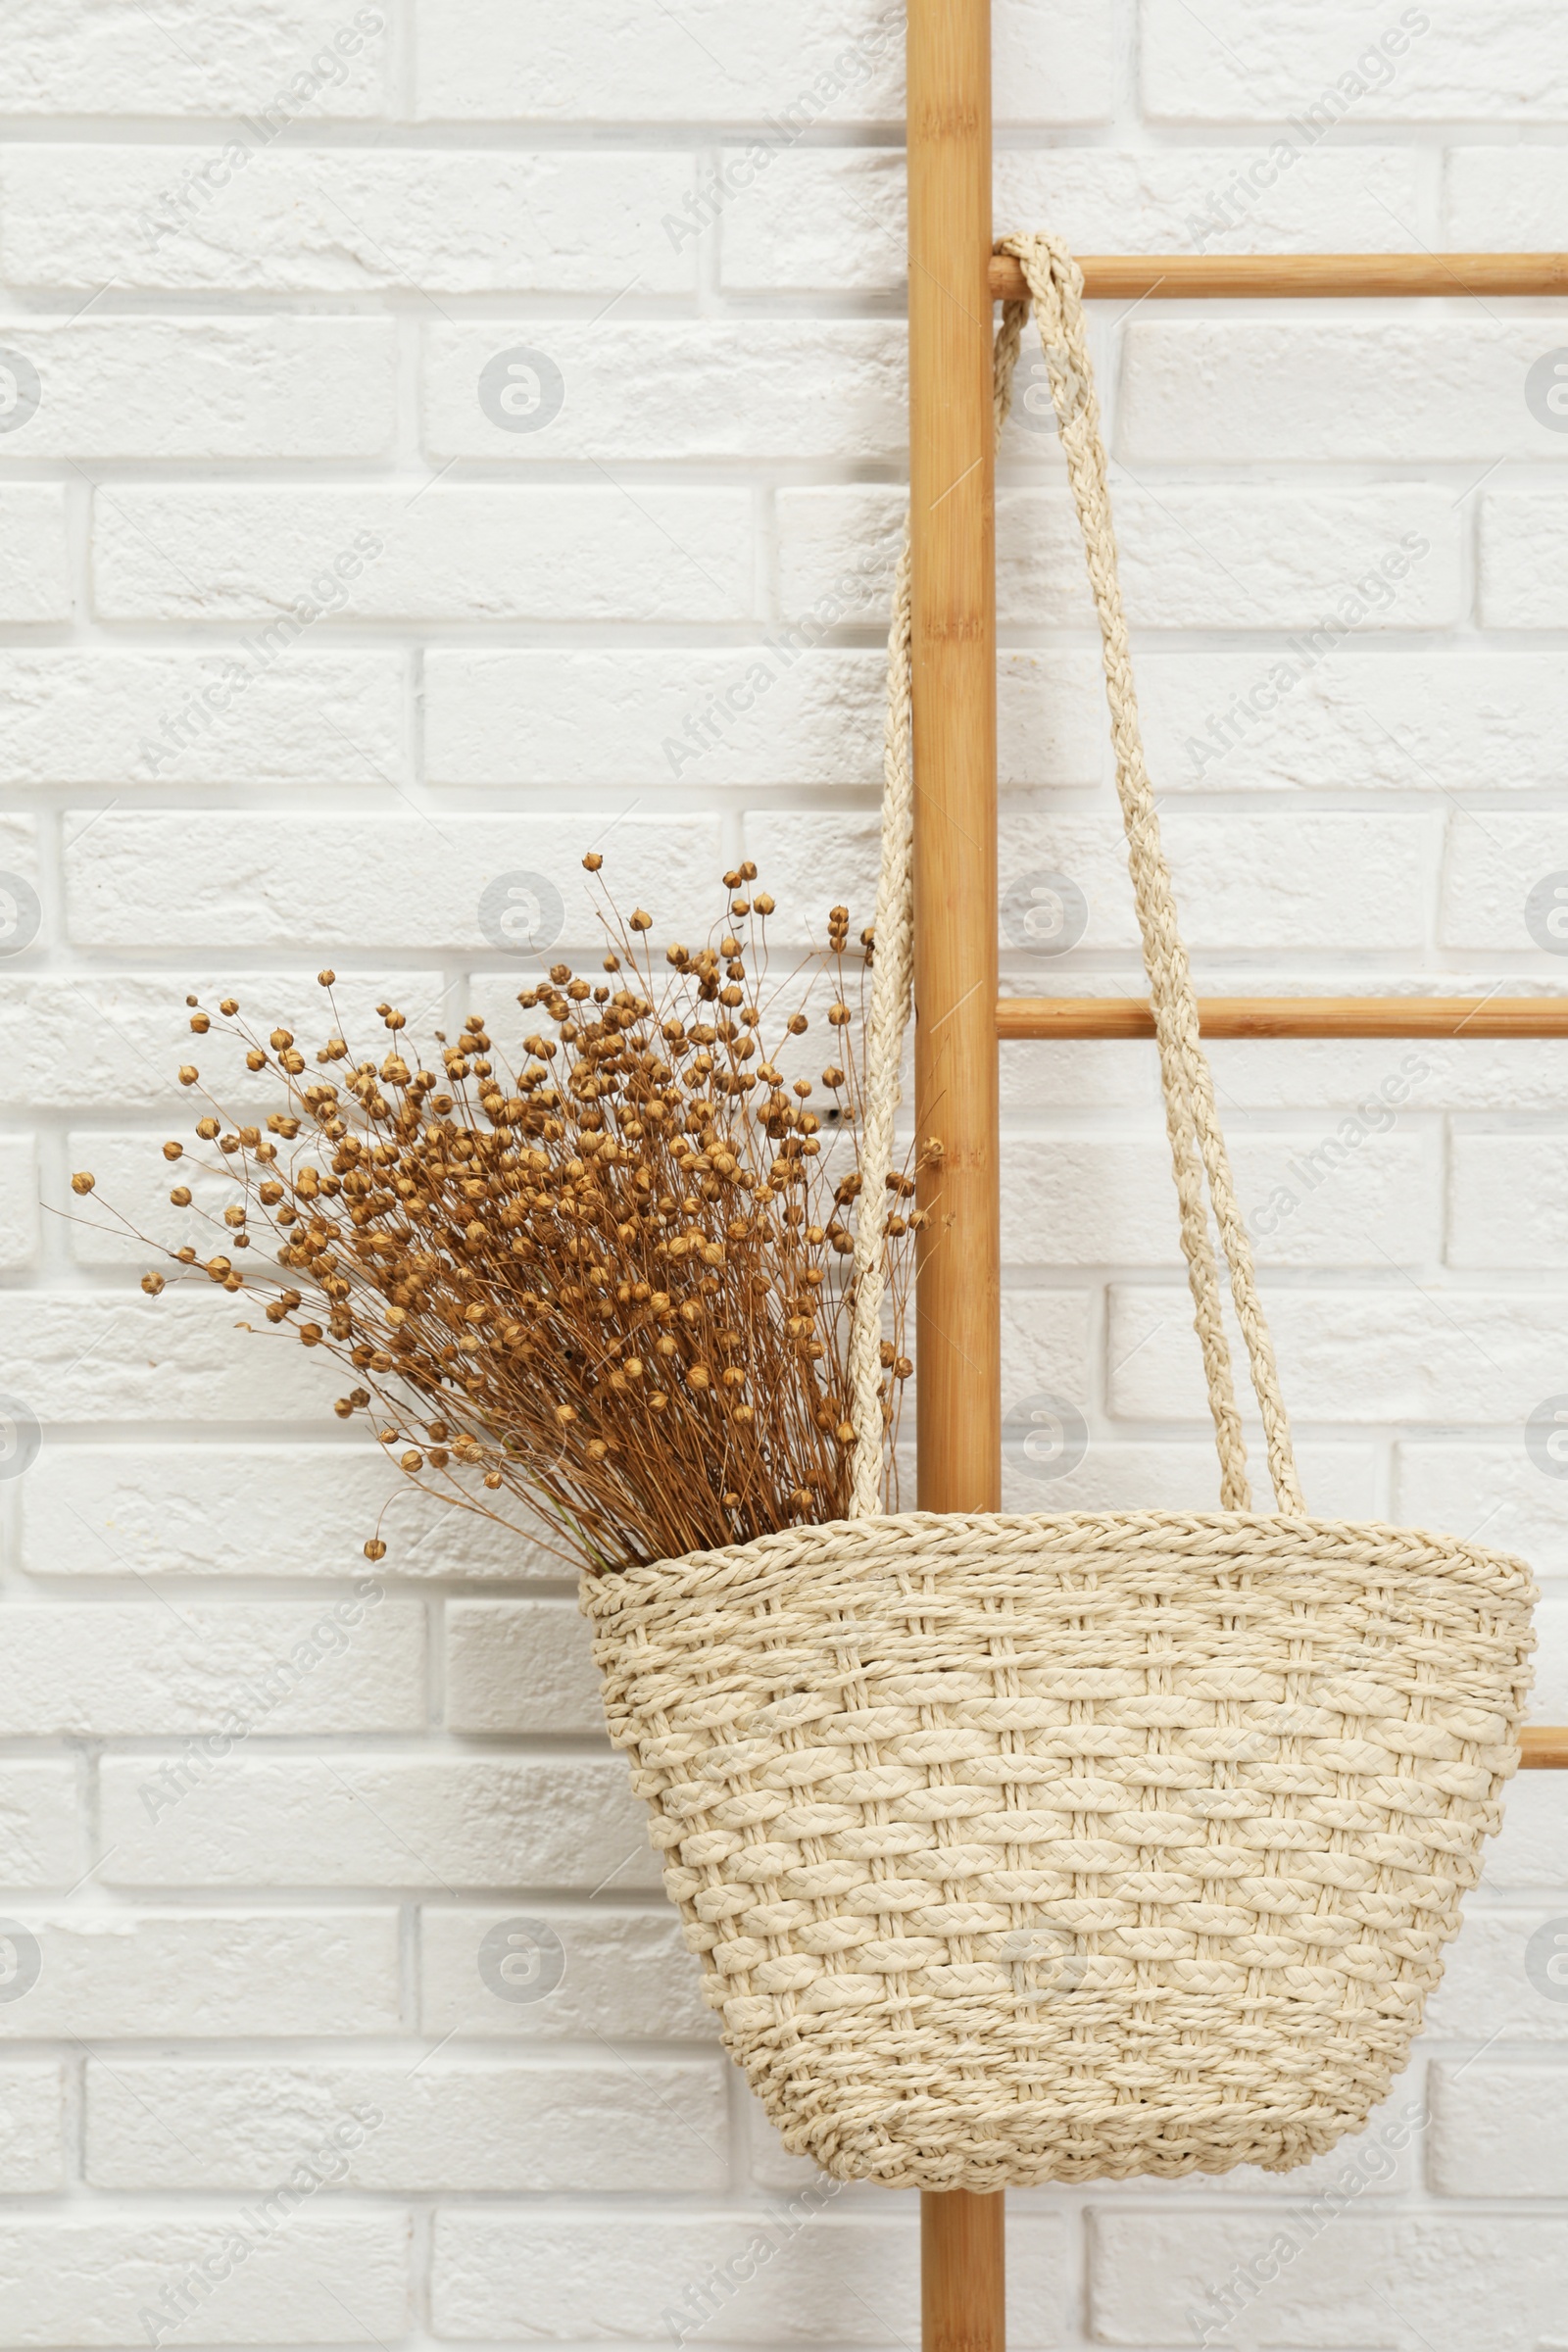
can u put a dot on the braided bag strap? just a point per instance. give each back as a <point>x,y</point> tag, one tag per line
<point>1192,1119</point>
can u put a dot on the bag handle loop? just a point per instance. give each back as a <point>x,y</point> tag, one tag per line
<point>1191,1117</point>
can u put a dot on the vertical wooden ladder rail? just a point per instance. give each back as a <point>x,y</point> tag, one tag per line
<point>958,1286</point>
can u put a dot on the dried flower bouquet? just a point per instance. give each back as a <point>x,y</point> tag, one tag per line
<point>612,1286</point>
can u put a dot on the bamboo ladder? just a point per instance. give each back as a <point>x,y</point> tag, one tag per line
<point>953,282</point>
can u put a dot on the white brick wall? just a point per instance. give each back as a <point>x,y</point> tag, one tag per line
<point>304,640</point>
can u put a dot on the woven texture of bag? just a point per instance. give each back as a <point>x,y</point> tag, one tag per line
<point>1024,1848</point>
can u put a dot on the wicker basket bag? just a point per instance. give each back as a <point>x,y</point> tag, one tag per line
<point>1050,1847</point>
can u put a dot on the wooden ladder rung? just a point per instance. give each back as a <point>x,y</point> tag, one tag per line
<point>1127,277</point>
<point>1544,1748</point>
<point>1292,1016</point>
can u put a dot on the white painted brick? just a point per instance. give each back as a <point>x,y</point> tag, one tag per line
<point>1116,1475</point>
<point>1347,2281</point>
<point>1387,1354</point>
<point>34,557</point>
<point>1242,880</point>
<point>841,543</point>
<point>1499,2126</point>
<point>342,221</point>
<point>41,1825</point>
<point>1075,1074</point>
<point>80,1043</point>
<point>808,219</point>
<point>1464,1074</point>
<point>32,2155</point>
<point>236,1669</point>
<point>1051,720</point>
<point>1415,721</point>
<point>625,1974</point>
<point>745,717</point>
<point>1531,1852</point>
<point>788,69</point>
<point>169,552</point>
<point>670,389</point>
<point>1493,1492</point>
<point>1054,62</point>
<point>1501,199</point>
<point>1270,61</point>
<point>755,714</point>
<point>1045,1342</point>
<point>67,2281</point>
<point>93,1356</point>
<point>19,1202</point>
<point>1296,391</point>
<point>445,2124</point>
<point>196,58</point>
<point>1549,1701</point>
<point>195,388</point>
<point>1485,1990</point>
<point>793,2273</point>
<point>213,1510</point>
<point>481,60</point>
<point>18,848</point>
<point>395,1821</point>
<point>1523,560</point>
<point>1360,1190</point>
<point>833,220</point>
<point>520,1666</point>
<point>1259,1074</point>
<point>596,719</point>
<point>119,1975</point>
<point>1348,1196</point>
<point>135,878</point>
<point>1509,1200</point>
<point>1489,870</point>
<point>1217,199</point>
<point>1214,558</point>
<point>299,717</point>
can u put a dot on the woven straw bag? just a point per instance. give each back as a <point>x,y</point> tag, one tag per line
<point>1023,1849</point>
